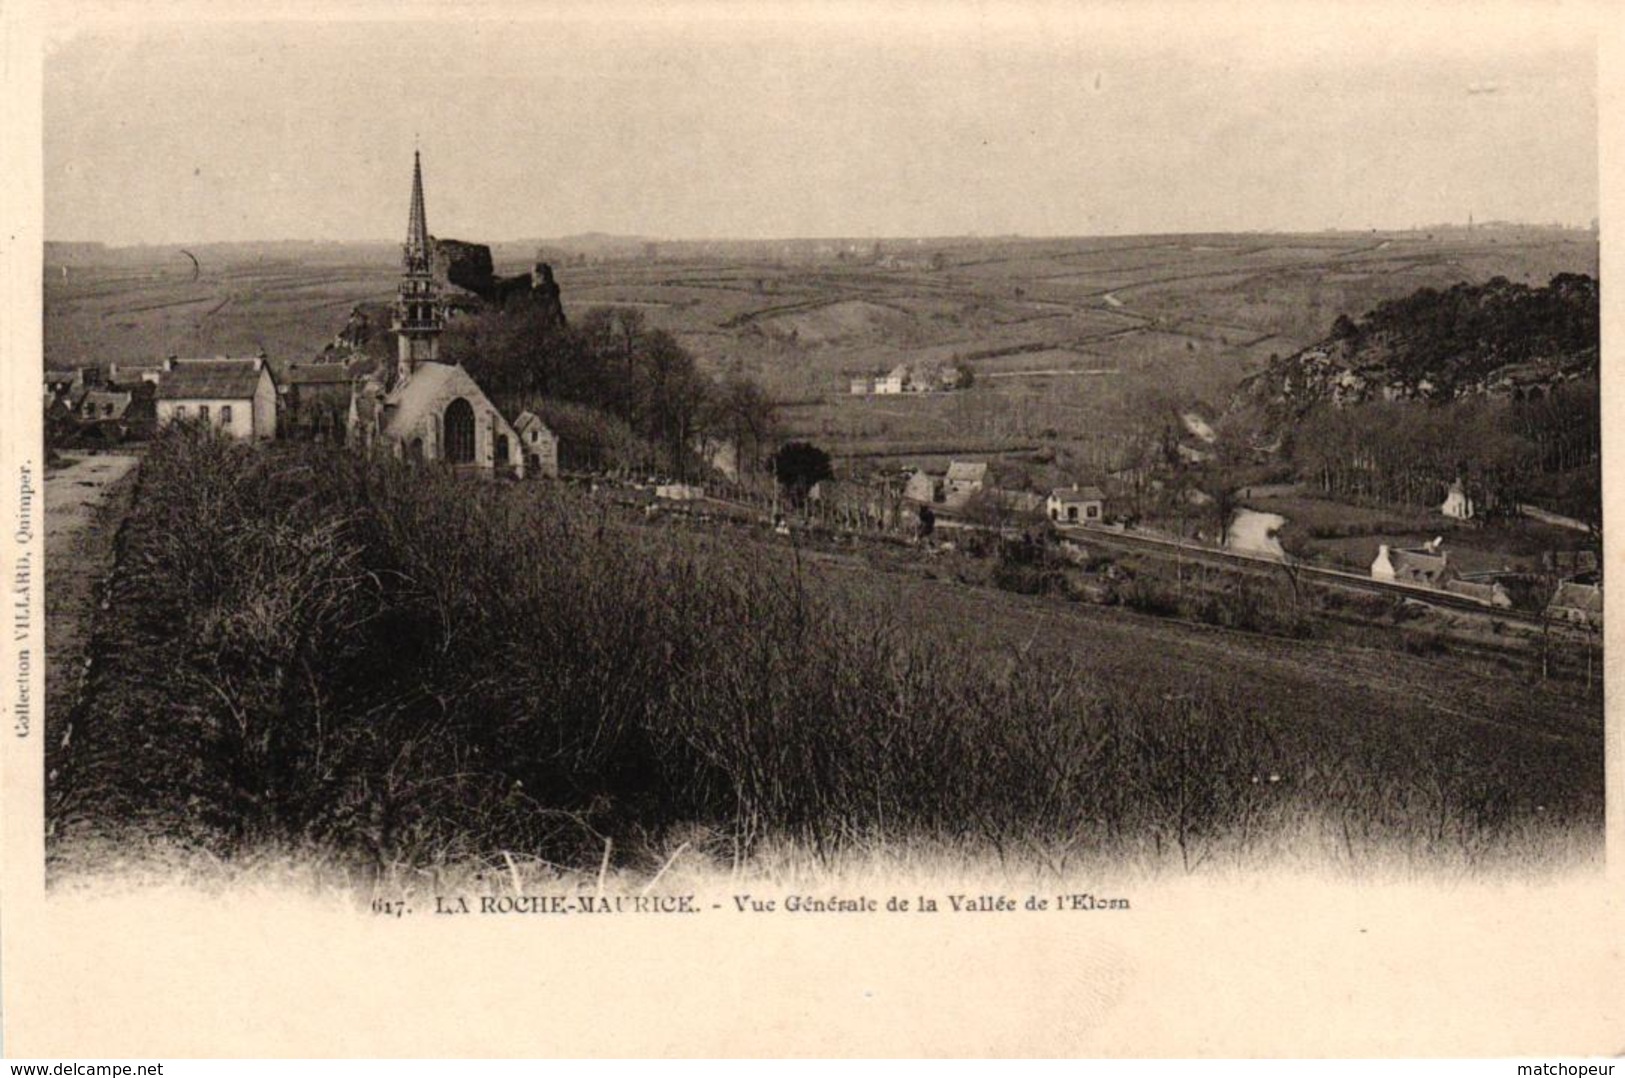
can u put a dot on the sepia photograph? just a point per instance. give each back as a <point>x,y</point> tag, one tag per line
<point>999,482</point>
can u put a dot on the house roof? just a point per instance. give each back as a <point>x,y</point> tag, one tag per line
<point>899,371</point>
<point>1583,597</point>
<point>61,376</point>
<point>210,379</point>
<point>1068,496</point>
<point>1484,591</point>
<point>133,372</point>
<point>527,420</point>
<point>967,471</point>
<point>1420,561</point>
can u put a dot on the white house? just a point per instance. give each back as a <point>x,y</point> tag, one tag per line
<point>236,395</point>
<point>895,380</point>
<point>1075,505</point>
<point>539,445</point>
<point>1457,504</point>
<point>1428,566</point>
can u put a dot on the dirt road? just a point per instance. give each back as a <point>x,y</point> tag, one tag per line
<point>84,503</point>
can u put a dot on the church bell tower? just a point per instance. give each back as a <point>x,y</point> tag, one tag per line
<point>418,320</point>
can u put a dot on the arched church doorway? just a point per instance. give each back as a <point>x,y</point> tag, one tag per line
<point>460,432</point>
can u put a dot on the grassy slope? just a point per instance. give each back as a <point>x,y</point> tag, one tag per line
<point>649,682</point>
<point>1308,682</point>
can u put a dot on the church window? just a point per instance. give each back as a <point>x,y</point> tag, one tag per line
<point>459,422</point>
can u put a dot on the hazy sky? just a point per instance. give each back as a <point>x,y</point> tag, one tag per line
<point>726,120</point>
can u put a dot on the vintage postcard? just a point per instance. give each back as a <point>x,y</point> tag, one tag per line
<point>902,529</point>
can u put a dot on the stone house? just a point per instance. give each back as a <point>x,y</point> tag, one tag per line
<point>104,405</point>
<point>316,399</point>
<point>539,445</point>
<point>1577,603</point>
<point>926,486</point>
<point>238,396</point>
<point>1427,566</point>
<point>964,478</point>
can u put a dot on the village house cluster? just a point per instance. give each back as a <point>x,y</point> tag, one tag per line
<point>905,379</point>
<point>1577,600</point>
<point>415,407</point>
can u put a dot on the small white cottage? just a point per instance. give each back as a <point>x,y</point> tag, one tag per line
<point>1456,503</point>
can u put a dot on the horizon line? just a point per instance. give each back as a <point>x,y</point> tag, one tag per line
<point>1592,226</point>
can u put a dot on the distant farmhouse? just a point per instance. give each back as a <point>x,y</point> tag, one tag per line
<point>905,379</point>
<point>422,408</point>
<point>1076,505</point>
<point>1456,503</point>
<point>1577,604</point>
<point>1428,566</point>
<point>952,487</point>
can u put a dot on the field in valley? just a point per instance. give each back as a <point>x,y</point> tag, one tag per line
<point>1067,336</point>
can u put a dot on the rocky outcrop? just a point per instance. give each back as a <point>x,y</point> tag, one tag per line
<point>468,266</point>
<point>1493,339</point>
<point>464,265</point>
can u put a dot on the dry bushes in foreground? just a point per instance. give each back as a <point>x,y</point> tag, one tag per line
<point>305,647</point>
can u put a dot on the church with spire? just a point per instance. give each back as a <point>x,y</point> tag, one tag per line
<point>418,316</point>
<point>421,408</point>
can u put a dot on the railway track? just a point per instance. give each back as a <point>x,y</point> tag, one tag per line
<point>1331,577</point>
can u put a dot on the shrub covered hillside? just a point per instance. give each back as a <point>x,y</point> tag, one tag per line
<point>303,647</point>
<point>1492,385</point>
<point>1465,340</point>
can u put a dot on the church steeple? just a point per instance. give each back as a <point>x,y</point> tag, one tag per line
<point>416,255</point>
<point>418,320</point>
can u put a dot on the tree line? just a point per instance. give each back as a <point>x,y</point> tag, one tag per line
<point>610,360</point>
